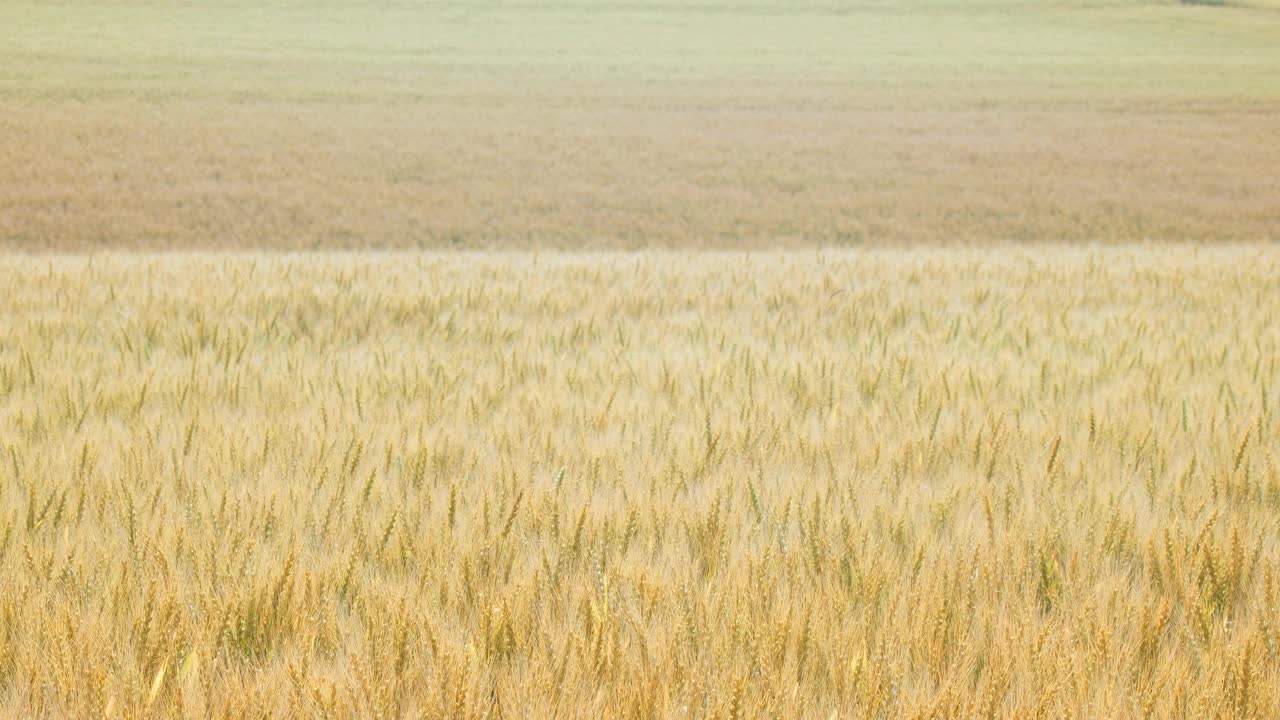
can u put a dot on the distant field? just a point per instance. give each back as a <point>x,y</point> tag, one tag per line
<point>224,124</point>
<point>898,484</point>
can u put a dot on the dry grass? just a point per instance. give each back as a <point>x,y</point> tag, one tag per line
<point>953,484</point>
<point>714,177</point>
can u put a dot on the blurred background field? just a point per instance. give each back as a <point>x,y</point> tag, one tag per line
<point>568,125</point>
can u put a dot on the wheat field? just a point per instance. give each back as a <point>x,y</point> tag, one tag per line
<point>476,359</point>
<point>1009,483</point>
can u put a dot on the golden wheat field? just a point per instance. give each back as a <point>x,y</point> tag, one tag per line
<point>1009,483</point>
<point>699,360</point>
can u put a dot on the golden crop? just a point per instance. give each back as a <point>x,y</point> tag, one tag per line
<point>1009,483</point>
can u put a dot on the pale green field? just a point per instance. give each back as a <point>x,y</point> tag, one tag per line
<point>316,51</point>
<point>559,124</point>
